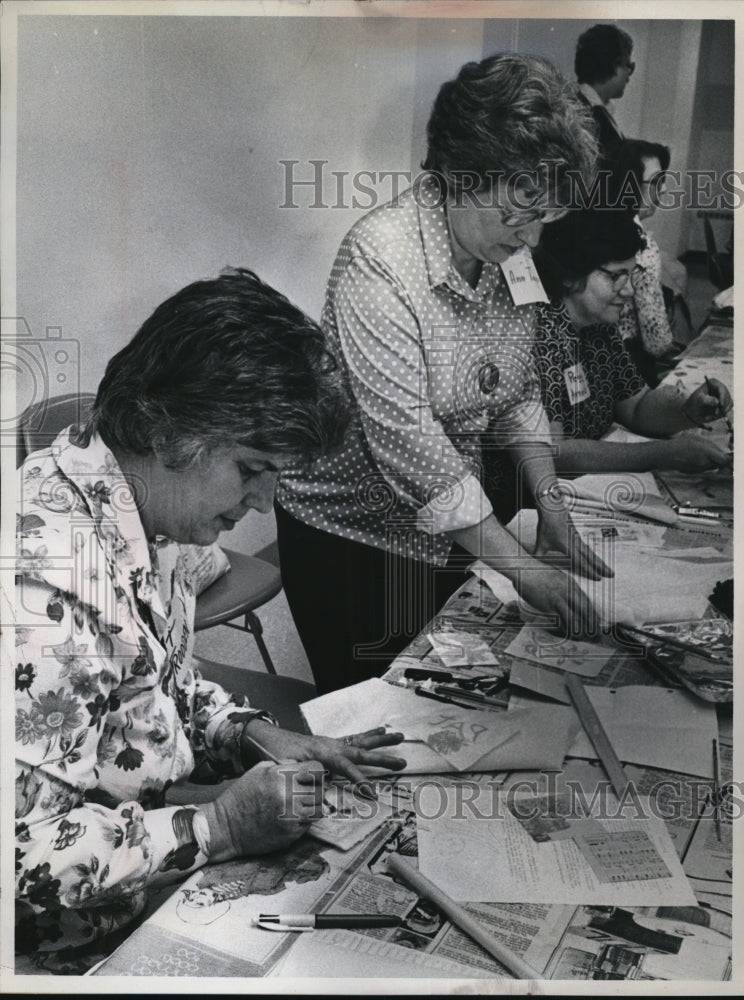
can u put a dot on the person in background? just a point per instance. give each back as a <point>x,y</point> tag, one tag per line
<point>438,355</point>
<point>603,67</point>
<point>588,265</point>
<point>224,385</point>
<point>637,182</point>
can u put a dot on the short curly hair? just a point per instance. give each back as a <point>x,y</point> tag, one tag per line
<point>504,116</point>
<point>582,241</point>
<point>600,51</point>
<point>222,362</point>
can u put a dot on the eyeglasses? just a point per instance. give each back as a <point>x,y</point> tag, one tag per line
<point>620,279</point>
<point>630,66</point>
<point>530,215</point>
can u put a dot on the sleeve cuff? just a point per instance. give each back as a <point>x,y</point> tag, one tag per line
<point>458,506</point>
<point>174,846</point>
<point>222,736</point>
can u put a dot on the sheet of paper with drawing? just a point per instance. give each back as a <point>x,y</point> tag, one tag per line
<point>444,738</point>
<point>540,646</point>
<point>627,860</point>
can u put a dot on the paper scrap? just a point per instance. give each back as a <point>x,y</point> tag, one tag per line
<point>460,649</point>
<point>347,818</point>
<point>540,646</point>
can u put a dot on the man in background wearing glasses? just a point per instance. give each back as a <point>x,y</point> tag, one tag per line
<point>603,67</point>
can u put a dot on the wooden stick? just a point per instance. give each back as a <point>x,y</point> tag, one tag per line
<point>595,731</point>
<point>460,917</point>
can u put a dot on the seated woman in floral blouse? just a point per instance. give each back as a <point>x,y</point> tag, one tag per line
<point>637,182</point>
<point>587,263</point>
<point>221,387</point>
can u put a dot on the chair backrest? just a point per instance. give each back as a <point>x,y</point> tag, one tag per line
<point>40,423</point>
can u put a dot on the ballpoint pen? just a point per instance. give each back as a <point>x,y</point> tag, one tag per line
<point>318,921</point>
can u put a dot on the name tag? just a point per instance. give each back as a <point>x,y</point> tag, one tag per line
<point>576,384</point>
<point>522,279</point>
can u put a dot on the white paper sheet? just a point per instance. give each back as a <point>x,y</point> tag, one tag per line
<point>646,587</point>
<point>540,646</point>
<point>654,726</point>
<point>480,858</point>
<point>539,737</point>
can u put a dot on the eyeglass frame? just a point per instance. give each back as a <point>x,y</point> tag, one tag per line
<point>527,216</point>
<point>620,279</point>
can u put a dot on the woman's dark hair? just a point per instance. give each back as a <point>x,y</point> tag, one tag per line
<point>222,362</point>
<point>508,115</point>
<point>626,170</point>
<point>600,51</point>
<point>583,240</point>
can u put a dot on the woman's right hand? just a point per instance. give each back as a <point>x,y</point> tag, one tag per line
<point>267,808</point>
<point>693,453</point>
<point>557,593</point>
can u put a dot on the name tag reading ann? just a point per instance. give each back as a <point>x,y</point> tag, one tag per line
<point>576,383</point>
<point>522,279</point>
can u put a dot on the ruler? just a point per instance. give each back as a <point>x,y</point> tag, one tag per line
<point>595,731</point>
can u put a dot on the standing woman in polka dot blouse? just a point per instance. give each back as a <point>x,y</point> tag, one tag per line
<point>438,355</point>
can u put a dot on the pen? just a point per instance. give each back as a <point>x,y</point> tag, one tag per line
<point>366,791</point>
<point>318,921</point>
<point>475,696</point>
<point>442,697</point>
<point>425,674</point>
<point>717,790</point>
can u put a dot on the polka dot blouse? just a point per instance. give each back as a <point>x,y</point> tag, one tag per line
<point>434,366</point>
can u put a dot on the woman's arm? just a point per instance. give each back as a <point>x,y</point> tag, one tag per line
<point>541,585</point>
<point>661,412</point>
<point>80,847</point>
<point>576,456</point>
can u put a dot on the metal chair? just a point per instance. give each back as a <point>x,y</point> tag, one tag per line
<point>249,583</point>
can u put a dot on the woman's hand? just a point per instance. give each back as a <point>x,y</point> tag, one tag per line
<point>556,533</point>
<point>708,402</point>
<point>269,807</point>
<point>558,594</point>
<point>341,757</point>
<point>690,453</point>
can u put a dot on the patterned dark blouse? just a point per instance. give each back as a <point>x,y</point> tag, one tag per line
<point>609,371</point>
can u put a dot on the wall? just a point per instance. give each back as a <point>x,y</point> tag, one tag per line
<point>150,149</point>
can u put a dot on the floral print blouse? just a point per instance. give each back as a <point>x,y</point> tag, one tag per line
<point>109,709</point>
<point>645,315</point>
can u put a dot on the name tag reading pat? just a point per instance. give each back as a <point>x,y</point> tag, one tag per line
<point>576,383</point>
<point>522,279</point>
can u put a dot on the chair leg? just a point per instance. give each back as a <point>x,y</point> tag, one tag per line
<point>254,626</point>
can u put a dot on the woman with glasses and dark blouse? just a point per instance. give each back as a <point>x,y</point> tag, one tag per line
<point>588,380</point>
<point>423,309</point>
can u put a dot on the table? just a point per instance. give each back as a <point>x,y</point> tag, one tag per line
<point>203,928</point>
